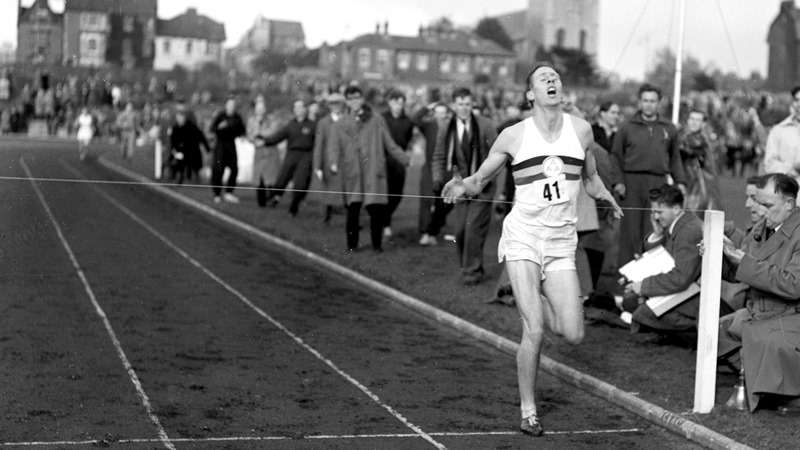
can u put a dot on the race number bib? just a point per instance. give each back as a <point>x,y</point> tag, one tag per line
<point>553,190</point>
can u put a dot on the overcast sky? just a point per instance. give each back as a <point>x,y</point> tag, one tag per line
<point>334,20</point>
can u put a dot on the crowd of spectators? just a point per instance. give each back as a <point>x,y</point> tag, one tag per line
<point>355,142</point>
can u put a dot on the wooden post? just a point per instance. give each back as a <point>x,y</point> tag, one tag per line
<point>708,319</point>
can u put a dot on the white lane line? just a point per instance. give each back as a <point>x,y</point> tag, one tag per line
<point>311,437</point>
<point>162,434</point>
<point>263,314</point>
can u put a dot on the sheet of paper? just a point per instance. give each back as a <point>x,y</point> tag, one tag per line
<point>653,262</point>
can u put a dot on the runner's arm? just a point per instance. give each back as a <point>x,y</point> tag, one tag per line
<point>471,186</point>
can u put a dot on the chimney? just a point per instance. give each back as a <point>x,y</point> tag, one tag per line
<point>378,28</point>
<point>191,11</point>
<point>421,31</point>
<point>386,28</point>
<point>787,6</point>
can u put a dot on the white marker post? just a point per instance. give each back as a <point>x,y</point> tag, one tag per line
<point>157,159</point>
<point>708,319</point>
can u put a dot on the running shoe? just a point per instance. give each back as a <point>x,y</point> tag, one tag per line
<point>531,425</point>
<point>230,198</point>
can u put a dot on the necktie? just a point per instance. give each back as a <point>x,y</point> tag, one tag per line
<point>466,148</point>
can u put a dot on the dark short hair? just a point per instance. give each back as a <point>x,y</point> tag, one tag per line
<point>605,106</point>
<point>795,90</point>
<point>697,111</point>
<point>351,90</point>
<point>647,87</point>
<point>784,184</point>
<point>668,195</point>
<point>461,93</point>
<point>395,94</point>
<point>755,180</point>
<point>538,66</point>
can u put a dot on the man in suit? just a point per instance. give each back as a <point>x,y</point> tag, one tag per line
<point>680,232</point>
<point>461,148</point>
<point>769,326</point>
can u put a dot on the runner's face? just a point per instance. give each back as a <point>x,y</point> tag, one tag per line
<point>546,86</point>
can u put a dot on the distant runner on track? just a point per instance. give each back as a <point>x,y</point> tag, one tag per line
<point>550,155</point>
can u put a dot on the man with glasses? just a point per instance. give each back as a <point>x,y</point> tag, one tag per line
<point>769,326</point>
<point>781,154</point>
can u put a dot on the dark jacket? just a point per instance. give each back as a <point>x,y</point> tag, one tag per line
<point>449,154</point>
<point>649,147</point>
<point>227,129</point>
<point>401,128</point>
<point>298,135</point>
<point>601,138</point>
<point>187,139</point>
<point>681,244</point>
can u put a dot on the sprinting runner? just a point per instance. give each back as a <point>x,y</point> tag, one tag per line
<point>550,155</point>
<point>85,124</point>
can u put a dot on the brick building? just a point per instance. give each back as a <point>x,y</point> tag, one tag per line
<point>784,51</point>
<point>120,32</point>
<point>435,55</point>
<point>39,34</point>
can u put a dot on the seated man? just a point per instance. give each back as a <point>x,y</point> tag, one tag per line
<point>770,324</point>
<point>680,232</point>
<point>733,292</point>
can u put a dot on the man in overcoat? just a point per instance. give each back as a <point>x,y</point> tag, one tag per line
<point>769,326</point>
<point>360,145</point>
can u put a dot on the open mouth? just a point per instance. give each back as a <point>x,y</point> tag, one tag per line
<point>551,91</point>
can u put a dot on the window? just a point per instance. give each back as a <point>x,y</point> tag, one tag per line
<point>582,44</point>
<point>364,58</point>
<point>483,65</point>
<point>445,63</point>
<point>560,35</point>
<point>127,24</point>
<point>188,47</point>
<point>422,62</point>
<point>166,46</point>
<point>384,59</point>
<point>463,64</point>
<point>403,61</point>
<point>502,70</point>
<point>209,48</point>
<point>92,44</point>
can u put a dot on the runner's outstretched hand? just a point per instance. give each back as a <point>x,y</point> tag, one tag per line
<point>454,190</point>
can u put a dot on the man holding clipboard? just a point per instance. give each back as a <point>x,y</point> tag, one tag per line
<point>668,299</point>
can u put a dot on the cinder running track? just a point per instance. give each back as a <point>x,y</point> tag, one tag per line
<point>128,321</point>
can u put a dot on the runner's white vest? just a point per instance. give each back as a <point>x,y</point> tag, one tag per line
<point>548,176</point>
